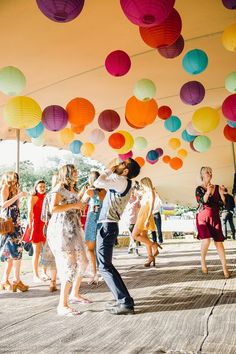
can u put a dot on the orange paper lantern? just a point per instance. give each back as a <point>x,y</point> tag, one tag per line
<point>166,158</point>
<point>140,113</point>
<point>140,160</point>
<point>77,129</point>
<point>80,111</point>
<point>176,163</point>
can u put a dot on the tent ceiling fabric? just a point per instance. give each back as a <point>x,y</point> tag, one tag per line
<point>63,61</point>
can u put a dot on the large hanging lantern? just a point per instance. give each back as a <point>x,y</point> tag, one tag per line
<point>54,118</point>
<point>131,125</point>
<point>22,112</point>
<point>205,119</point>
<point>172,51</point>
<point>109,120</point>
<point>164,34</point>
<point>192,92</point>
<point>201,143</point>
<point>140,113</point>
<point>195,61</point>
<point>66,136</point>
<point>229,4</point>
<point>118,63</point>
<point>126,156</point>
<point>176,163</point>
<point>229,107</point>
<point>12,81</point>
<point>116,140</point>
<point>96,136</point>
<point>230,82</point>
<point>75,146</point>
<point>77,129</point>
<point>60,10</point>
<point>129,142</point>
<point>147,13</point>
<point>80,111</point>
<point>172,124</point>
<point>230,133</point>
<point>229,38</point>
<point>144,90</point>
<point>87,149</point>
<point>164,112</point>
<point>140,143</point>
<point>36,131</point>
<point>187,137</point>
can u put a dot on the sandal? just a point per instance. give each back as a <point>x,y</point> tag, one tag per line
<point>67,311</point>
<point>53,286</point>
<point>75,300</point>
<point>155,249</point>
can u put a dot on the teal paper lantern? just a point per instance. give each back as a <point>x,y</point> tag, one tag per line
<point>75,146</point>
<point>36,131</point>
<point>172,124</point>
<point>187,137</point>
<point>230,82</point>
<point>144,90</point>
<point>195,61</point>
<point>231,123</point>
<point>140,143</point>
<point>12,81</point>
<point>202,143</point>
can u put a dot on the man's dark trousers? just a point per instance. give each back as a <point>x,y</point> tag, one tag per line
<point>106,237</point>
<point>228,217</point>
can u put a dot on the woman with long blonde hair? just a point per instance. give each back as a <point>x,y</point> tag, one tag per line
<point>11,247</point>
<point>145,221</point>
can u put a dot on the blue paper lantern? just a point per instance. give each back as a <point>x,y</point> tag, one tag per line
<point>187,137</point>
<point>36,131</point>
<point>195,61</point>
<point>172,124</point>
<point>75,146</point>
<point>231,123</point>
<point>152,155</point>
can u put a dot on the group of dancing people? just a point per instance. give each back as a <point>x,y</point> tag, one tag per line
<point>55,229</point>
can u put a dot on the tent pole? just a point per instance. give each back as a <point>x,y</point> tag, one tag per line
<point>17,151</point>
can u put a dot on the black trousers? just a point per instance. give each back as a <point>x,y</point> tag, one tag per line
<point>228,217</point>
<point>157,219</point>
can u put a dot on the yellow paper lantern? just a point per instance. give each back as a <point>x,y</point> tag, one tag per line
<point>182,153</point>
<point>229,38</point>
<point>22,112</point>
<point>174,143</point>
<point>66,136</point>
<point>129,142</point>
<point>205,119</point>
<point>87,149</point>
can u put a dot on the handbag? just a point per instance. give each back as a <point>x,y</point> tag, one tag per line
<point>6,226</point>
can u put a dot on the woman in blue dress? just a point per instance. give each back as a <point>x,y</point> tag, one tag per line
<point>94,197</point>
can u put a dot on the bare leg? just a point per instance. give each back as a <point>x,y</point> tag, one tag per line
<point>91,249</point>
<point>16,265</point>
<point>65,289</point>
<point>204,248</point>
<point>7,270</point>
<point>221,252</point>
<point>35,259</point>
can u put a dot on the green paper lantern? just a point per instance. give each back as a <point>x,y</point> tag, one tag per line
<point>202,143</point>
<point>140,143</point>
<point>144,90</point>
<point>12,81</point>
<point>230,82</point>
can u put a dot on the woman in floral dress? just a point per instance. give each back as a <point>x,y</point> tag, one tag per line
<point>66,239</point>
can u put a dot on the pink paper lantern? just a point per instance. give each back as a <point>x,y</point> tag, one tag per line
<point>109,120</point>
<point>54,118</point>
<point>160,152</point>
<point>173,50</point>
<point>126,156</point>
<point>229,107</point>
<point>118,63</point>
<point>147,13</point>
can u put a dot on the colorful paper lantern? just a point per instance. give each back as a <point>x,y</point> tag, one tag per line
<point>230,82</point>
<point>144,90</point>
<point>229,4</point>
<point>187,137</point>
<point>36,131</point>
<point>205,119</point>
<point>22,112</point>
<point>195,61</point>
<point>60,10</point>
<point>54,118</point>
<point>140,113</point>
<point>182,153</point>
<point>147,13</point>
<point>140,160</point>
<point>164,112</point>
<point>109,120</point>
<point>229,38</point>
<point>140,143</point>
<point>202,143</point>
<point>126,156</point>
<point>87,149</point>
<point>116,140</point>
<point>229,107</point>
<point>192,147</point>
<point>66,136</point>
<point>192,92</point>
<point>96,136</point>
<point>164,34</point>
<point>230,133</point>
<point>159,151</point>
<point>152,162</point>
<point>77,129</point>
<point>191,130</point>
<point>176,163</point>
<point>80,111</point>
<point>174,143</point>
<point>172,124</point>
<point>39,141</point>
<point>12,81</point>
<point>166,159</point>
<point>152,155</point>
<point>129,142</point>
<point>117,63</point>
<point>75,146</point>
<point>173,50</point>
<point>231,124</point>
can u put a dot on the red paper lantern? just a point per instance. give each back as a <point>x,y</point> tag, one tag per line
<point>230,133</point>
<point>109,120</point>
<point>229,107</point>
<point>140,113</point>
<point>116,140</point>
<point>164,112</point>
<point>80,111</point>
<point>118,63</point>
<point>165,34</point>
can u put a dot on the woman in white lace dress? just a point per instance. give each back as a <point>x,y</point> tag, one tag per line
<point>66,239</point>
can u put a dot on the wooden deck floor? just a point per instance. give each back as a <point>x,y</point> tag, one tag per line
<point>178,310</point>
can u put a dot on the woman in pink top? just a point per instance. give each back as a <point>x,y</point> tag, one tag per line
<point>132,210</point>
